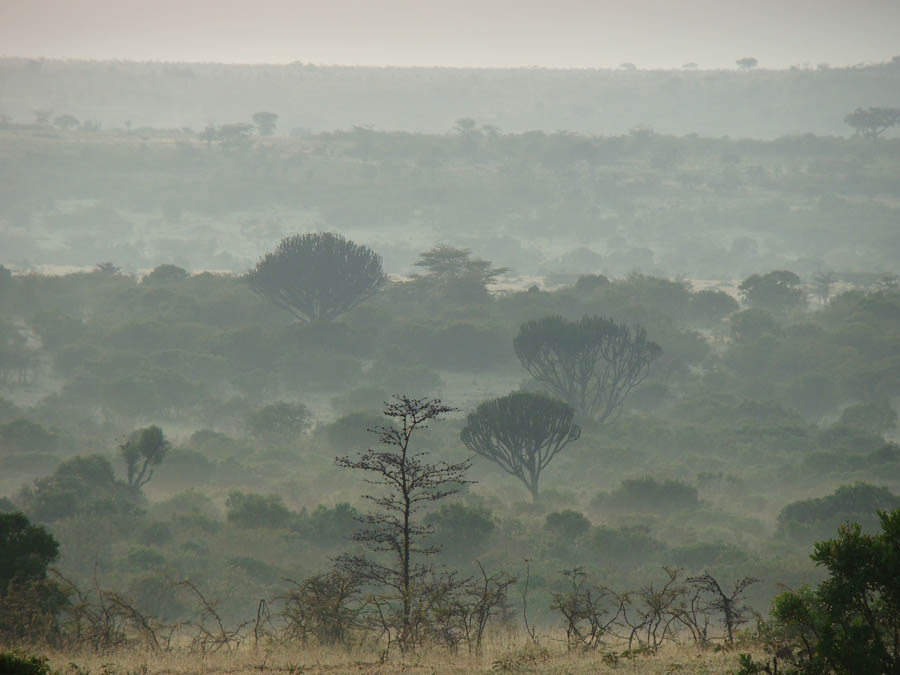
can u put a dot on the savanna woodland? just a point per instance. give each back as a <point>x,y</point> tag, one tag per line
<point>292,393</point>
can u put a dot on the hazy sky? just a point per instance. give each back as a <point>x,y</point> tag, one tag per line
<point>560,33</point>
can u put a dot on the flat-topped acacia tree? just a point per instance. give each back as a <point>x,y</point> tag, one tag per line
<point>318,276</point>
<point>521,433</point>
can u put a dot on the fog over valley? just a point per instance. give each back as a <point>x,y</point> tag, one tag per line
<point>443,338</point>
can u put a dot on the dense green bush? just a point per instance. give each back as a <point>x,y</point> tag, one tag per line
<point>649,494</point>
<point>330,526</point>
<point>462,530</point>
<point>810,519</point>
<point>624,545</point>
<point>255,510</point>
<point>850,622</point>
<point>80,486</point>
<point>567,525</point>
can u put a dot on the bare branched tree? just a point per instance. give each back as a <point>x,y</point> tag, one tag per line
<point>406,483</point>
<point>324,607</point>
<point>592,364</point>
<point>589,611</point>
<point>727,604</point>
<point>212,635</point>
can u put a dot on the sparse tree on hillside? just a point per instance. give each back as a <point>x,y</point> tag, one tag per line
<point>456,272</point>
<point>592,364</point>
<point>521,433</point>
<point>872,122</point>
<point>393,530</point>
<point>318,276</point>
<point>144,448</point>
<point>265,122</point>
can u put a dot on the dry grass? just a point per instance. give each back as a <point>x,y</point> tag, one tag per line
<point>509,657</point>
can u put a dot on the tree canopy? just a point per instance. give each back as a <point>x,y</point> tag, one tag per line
<point>456,272</point>
<point>143,449</point>
<point>872,122</point>
<point>776,291</point>
<point>590,364</point>
<point>850,622</point>
<point>25,549</point>
<point>318,276</point>
<point>521,433</point>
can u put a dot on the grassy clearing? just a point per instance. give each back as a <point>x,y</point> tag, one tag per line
<point>501,656</point>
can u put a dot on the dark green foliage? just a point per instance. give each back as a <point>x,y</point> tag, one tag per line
<point>591,282</point>
<point>850,622</point>
<point>165,274</point>
<point>144,449</point>
<point>591,364</point>
<point>777,291</point>
<point>279,422</point>
<point>318,276</point>
<point>20,663</point>
<point>847,501</point>
<point>567,525</point>
<point>521,433</point>
<point>872,122</point>
<point>57,330</point>
<point>80,486</point>
<point>29,602</point>
<point>455,274</point>
<point>255,510</point>
<point>649,494</point>
<point>7,506</point>
<point>709,306</point>
<point>751,324</point>
<point>331,526</point>
<point>624,546</point>
<point>25,549</point>
<point>460,530</point>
